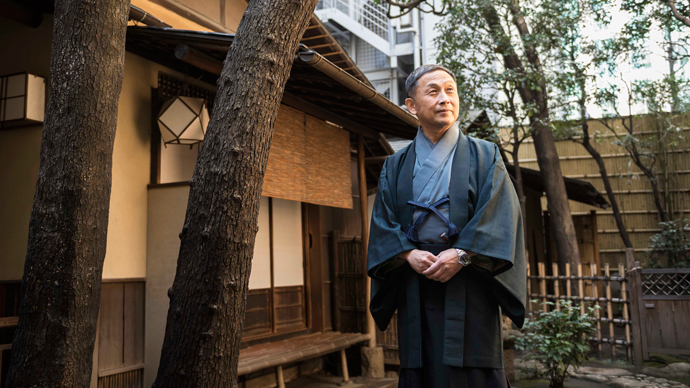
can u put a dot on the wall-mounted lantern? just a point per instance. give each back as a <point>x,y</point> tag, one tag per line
<point>183,120</point>
<point>22,100</point>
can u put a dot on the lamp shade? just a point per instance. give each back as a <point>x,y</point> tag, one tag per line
<point>22,100</point>
<point>183,120</point>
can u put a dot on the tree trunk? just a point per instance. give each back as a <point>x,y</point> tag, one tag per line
<point>609,192</point>
<point>560,218</point>
<point>207,299</point>
<point>535,92</point>
<point>54,341</point>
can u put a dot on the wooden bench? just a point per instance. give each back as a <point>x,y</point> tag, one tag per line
<point>276,354</point>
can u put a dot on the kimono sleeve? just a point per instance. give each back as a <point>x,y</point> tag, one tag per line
<point>386,237</point>
<point>495,231</point>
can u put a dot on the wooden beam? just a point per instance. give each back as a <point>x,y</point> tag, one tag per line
<point>322,46</point>
<point>20,13</point>
<point>314,110</point>
<point>198,59</point>
<point>315,37</point>
<point>376,159</point>
<point>364,213</point>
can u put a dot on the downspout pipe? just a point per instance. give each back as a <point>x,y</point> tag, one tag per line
<point>309,57</point>
<point>139,15</point>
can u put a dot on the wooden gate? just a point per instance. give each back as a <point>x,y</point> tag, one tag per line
<point>665,311</point>
<point>348,287</point>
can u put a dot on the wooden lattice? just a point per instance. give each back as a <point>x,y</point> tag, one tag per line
<point>666,282</point>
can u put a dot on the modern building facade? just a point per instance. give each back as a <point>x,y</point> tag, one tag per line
<point>386,50</point>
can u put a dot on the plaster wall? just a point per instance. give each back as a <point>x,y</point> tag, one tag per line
<point>166,212</point>
<point>27,49</point>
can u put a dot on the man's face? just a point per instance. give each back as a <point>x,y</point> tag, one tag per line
<point>435,101</point>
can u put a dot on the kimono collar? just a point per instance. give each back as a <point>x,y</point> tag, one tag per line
<point>432,157</point>
<point>459,184</point>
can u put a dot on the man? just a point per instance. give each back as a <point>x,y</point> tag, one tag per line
<point>446,246</point>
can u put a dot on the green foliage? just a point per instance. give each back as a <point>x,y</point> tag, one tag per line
<point>558,339</point>
<point>672,245</point>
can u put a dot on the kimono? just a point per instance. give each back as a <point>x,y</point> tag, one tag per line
<point>483,216</point>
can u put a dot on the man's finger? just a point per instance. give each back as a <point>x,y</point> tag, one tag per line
<point>431,270</point>
<point>430,257</point>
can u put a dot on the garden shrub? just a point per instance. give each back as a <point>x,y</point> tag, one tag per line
<point>558,339</point>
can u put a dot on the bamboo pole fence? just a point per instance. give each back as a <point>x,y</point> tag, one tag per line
<point>583,289</point>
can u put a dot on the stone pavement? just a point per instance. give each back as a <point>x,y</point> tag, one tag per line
<point>622,378</point>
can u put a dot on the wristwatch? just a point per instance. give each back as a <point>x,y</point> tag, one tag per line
<point>463,257</point>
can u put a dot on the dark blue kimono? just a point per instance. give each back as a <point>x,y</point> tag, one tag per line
<point>485,209</point>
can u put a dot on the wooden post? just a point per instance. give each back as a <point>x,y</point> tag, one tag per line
<point>609,311</point>
<point>626,316</point>
<point>542,286</point>
<point>556,287</point>
<point>529,288</point>
<point>595,294</point>
<point>568,292</point>
<point>635,299</point>
<point>280,377</point>
<point>364,211</point>
<point>581,287</point>
<point>343,364</point>
<point>335,237</point>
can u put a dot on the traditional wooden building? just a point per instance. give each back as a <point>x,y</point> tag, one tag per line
<point>328,112</point>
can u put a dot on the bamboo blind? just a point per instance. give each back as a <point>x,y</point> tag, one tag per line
<point>309,161</point>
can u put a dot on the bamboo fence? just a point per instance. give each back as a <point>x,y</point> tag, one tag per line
<point>584,289</point>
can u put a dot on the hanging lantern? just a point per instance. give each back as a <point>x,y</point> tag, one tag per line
<point>183,120</point>
<point>22,100</point>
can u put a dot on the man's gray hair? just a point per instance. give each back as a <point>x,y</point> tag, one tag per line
<point>411,82</point>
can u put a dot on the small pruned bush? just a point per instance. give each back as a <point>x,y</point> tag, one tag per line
<point>671,246</point>
<point>557,339</point>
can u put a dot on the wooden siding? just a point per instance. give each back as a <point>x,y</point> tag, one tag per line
<point>120,347</point>
<point>630,187</point>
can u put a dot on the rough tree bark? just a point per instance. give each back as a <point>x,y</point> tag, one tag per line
<point>534,92</point>
<point>207,299</point>
<point>54,341</point>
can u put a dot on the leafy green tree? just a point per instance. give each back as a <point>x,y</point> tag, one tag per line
<point>574,74</point>
<point>498,58</point>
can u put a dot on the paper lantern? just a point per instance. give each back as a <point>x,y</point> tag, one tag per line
<point>183,120</point>
<point>22,100</point>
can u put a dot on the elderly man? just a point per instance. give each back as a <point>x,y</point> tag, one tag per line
<point>446,247</point>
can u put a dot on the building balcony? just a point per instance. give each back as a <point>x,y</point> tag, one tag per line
<point>364,18</point>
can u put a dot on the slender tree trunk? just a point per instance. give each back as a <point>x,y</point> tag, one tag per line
<point>560,218</point>
<point>518,176</point>
<point>207,299</point>
<point>609,193</point>
<point>534,92</point>
<point>54,341</point>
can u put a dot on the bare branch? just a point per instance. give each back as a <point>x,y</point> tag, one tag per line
<point>407,7</point>
<point>683,19</point>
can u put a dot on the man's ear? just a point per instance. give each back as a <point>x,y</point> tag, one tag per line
<point>409,103</point>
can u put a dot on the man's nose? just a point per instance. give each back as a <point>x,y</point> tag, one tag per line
<point>443,98</point>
